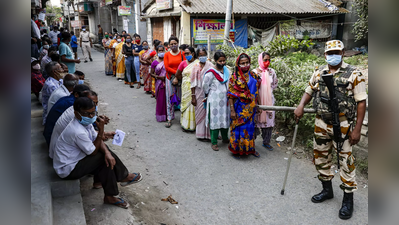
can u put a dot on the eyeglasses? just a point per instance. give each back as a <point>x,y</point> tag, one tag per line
<point>89,114</point>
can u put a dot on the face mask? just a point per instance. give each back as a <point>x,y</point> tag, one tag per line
<point>85,121</point>
<point>138,42</point>
<point>245,69</point>
<point>145,47</point>
<point>84,29</point>
<point>96,108</point>
<point>114,38</point>
<point>128,40</point>
<point>60,75</point>
<point>106,36</point>
<point>119,40</point>
<point>266,64</point>
<point>46,46</point>
<point>202,59</point>
<point>81,81</point>
<point>334,60</point>
<point>174,47</point>
<point>219,66</point>
<point>189,57</point>
<point>161,55</point>
<point>36,67</point>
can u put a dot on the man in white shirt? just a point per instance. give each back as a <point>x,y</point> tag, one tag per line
<point>80,151</point>
<point>87,44</point>
<point>69,82</point>
<point>53,35</point>
<point>67,116</point>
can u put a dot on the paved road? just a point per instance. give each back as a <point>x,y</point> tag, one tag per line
<point>211,187</point>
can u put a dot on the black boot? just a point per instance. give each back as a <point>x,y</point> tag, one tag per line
<point>347,206</point>
<point>326,193</point>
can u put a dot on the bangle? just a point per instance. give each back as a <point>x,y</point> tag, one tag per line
<point>192,94</point>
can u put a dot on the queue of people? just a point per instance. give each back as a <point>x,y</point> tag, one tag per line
<point>212,99</point>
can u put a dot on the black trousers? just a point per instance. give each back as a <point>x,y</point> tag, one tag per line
<point>95,164</point>
<point>266,134</point>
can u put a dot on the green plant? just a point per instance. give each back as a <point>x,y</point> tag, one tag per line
<point>361,27</point>
<point>282,44</point>
<point>357,60</point>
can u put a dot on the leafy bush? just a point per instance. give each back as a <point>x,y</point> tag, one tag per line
<point>361,27</point>
<point>282,44</point>
<point>358,60</point>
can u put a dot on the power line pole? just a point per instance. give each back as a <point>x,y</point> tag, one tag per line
<point>228,21</point>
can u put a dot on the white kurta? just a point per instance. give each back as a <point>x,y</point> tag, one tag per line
<point>217,108</point>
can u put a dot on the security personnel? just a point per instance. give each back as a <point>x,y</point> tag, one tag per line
<point>350,89</point>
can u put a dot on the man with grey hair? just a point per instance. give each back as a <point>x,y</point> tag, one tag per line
<point>55,73</point>
<point>69,82</point>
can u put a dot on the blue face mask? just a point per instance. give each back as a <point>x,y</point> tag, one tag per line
<point>81,81</point>
<point>161,55</point>
<point>85,121</point>
<point>96,108</point>
<point>202,59</point>
<point>189,57</point>
<point>334,60</point>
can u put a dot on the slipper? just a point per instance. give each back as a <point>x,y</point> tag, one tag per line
<point>122,204</point>
<point>256,154</point>
<point>237,156</point>
<point>215,147</point>
<point>219,137</point>
<point>168,124</point>
<point>268,147</point>
<point>152,96</point>
<point>124,184</point>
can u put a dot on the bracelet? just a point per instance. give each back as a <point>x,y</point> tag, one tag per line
<point>192,94</point>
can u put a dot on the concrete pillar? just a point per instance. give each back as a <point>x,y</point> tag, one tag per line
<point>167,28</point>
<point>149,31</point>
<point>185,25</point>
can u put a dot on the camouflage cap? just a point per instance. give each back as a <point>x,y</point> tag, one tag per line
<point>334,45</point>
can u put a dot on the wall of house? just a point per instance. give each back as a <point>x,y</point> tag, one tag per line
<point>185,26</point>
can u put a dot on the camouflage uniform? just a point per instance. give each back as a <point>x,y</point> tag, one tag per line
<point>323,140</point>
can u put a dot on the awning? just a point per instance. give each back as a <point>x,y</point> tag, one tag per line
<point>162,15</point>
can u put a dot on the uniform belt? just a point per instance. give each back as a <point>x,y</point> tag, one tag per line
<point>86,41</point>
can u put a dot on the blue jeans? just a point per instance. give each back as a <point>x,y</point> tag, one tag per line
<point>137,67</point>
<point>129,62</point>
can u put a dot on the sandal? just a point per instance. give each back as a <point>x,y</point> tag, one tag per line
<point>122,204</point>
<point>268,147</point>
<point>215,147</point>
<point>124,184</point>
<point>168,124</point>
<point>256,154</point>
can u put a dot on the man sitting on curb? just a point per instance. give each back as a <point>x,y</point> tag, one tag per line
<point>59,107</point>
<point>80,151</point>
<point>63,122</point>
<point>66,88</point>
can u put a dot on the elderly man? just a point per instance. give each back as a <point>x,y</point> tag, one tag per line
<point>69,82</point>
<point>80,151</point>
<point>55,73</point>
<point>350,88</point>
<point>59,107</point>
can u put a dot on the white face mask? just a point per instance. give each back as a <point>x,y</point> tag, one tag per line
<point>119,40</point>
<point>84,29</point>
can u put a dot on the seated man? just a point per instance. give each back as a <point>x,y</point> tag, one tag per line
<point>80,151</point>
<point>55,73</point>
<point>68,116</point>
<point>69,82</point>
<point>37,79</point>
<point>59,107</point>
<point>81,76</point>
